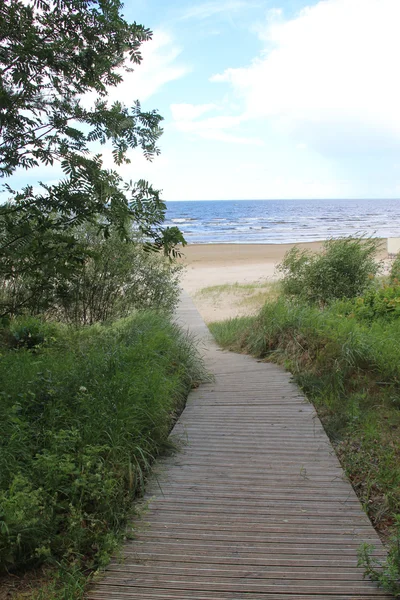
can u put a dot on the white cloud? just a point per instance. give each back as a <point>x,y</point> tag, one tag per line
<point>209,9</point>
<point>159,66</point>
<point>188,112</point>
<point>328,77</point>
<point>222,136</point>
<point>211,128</point>
<point>212,123</point>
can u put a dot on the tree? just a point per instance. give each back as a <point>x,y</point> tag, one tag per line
<point>53,53</point>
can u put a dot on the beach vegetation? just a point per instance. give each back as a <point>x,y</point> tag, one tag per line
<point>115,277</point>
<point>394,275</point>
<point>246,297</point>
<point>83,413</point>
<point>58,61</point>
<point>344,268</point>
<point>345,355</point>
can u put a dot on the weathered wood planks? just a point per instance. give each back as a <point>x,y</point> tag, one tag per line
<point>254,506</point>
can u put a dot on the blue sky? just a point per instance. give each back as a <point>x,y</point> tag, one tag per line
<point>270,98</point>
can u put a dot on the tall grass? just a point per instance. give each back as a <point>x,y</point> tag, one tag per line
<point>83,413</point>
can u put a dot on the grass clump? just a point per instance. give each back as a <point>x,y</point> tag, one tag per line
<point>83,413</point>
<point>387,575</point>
<point>246,297</point>
<point>343,348</point>
<point>231,288</point>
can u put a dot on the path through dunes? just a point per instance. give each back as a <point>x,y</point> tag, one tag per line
<point>255,506</point>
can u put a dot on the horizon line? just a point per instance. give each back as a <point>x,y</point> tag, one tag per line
<point>275,199</point>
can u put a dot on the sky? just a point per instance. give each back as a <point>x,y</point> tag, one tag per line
<point>269,99</point>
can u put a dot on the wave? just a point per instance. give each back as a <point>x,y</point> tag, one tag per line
<point>282,221</point>
<point>183,220</point>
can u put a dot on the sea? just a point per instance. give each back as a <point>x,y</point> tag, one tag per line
<point>282,221</point>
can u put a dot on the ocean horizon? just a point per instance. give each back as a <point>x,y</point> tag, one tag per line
<point>282,221</point>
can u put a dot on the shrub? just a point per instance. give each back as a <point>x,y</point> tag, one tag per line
<point>377,303</point>
<point>295,268</point>
<point>81,419</point>
<point>344,269</point>
<point>115,277</point>
<point>394,275</point>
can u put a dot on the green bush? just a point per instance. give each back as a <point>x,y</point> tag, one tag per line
<point>345,268</point>
<point>117,277</point>
<point>377,303</point>
<point>394,275</point>
<point>28,332</point>
<point>114,277</point>
<point>295,267</point>
<point>81,419</point>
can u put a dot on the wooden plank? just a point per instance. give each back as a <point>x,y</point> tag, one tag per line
<point>254,506</point>
<point>116,593</point>
<point>314,562</point>
<point>253,548</point>
<point>294,573</point>
<point>235,587</point>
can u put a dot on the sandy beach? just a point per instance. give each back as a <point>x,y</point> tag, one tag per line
<point>216,264</point>
<point>210,265</point>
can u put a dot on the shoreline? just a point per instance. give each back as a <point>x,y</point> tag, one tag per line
<point>231,253</point>
<point>210,265</point>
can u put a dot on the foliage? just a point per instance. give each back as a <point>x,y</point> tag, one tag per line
<point>116,277</point>
<point>295,267</point>
<point>52,53</point>
<point>395,271</point>
<point>81,419</point>
<point>382,302</point>
<point>344,269</point>
<point>57,57</point>
<point>386,574</point>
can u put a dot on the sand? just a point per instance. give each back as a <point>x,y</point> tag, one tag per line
<point>218,264</point>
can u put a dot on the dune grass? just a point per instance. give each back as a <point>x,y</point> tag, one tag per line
<point>232,288</point>
<point>83,413</point>
<point>247,297</point>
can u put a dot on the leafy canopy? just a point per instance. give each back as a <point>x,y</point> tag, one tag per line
<point>55,56</point>
<point>53,52</point>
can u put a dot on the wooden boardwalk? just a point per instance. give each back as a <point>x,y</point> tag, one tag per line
<point>254,507</point>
